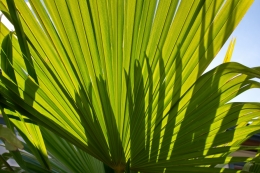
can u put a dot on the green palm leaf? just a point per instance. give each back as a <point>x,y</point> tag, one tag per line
<point>123,80</point>
<point>73,158</point>
<point>31,134</point>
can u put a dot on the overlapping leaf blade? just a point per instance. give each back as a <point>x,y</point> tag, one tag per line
<point>123,79</point>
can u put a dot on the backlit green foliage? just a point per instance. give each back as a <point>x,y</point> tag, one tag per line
<point>122,81</point>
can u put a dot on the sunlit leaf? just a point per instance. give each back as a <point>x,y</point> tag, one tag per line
<point>124,82</point>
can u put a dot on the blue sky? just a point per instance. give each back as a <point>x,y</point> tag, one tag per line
<point>247,48</point>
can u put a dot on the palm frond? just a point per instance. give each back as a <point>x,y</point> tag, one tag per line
<point>123,80</point>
